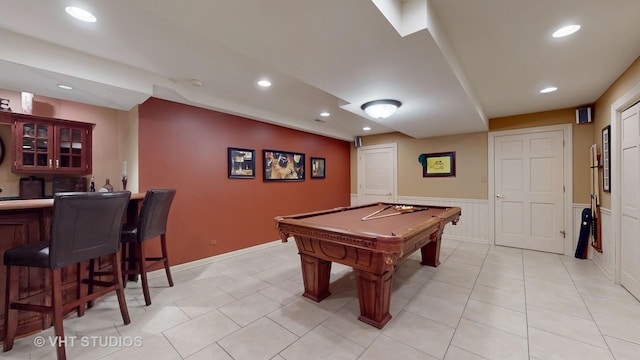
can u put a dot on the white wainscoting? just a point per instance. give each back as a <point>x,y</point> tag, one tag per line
<point>606,259</point>
<point>473,224</point>
<point>577,221</point>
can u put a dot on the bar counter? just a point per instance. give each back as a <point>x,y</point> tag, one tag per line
<point>29,221</point>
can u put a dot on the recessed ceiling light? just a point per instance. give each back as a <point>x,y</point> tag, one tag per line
<point>366,128</point>
<point>195,82</point>
<point>566,31</point>
<point>264,83</point>
<point>548,89</point>
<point>65,87</point>
<point>324,114</point>
<point>80,14</point>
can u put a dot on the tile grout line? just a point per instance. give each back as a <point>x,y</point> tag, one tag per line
<point>466,303</point>
<point>573,282</point>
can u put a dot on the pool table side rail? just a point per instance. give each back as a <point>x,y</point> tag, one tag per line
<point>395,244</point>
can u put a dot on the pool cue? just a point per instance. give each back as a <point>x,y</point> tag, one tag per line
<point>376,212</point>
<point>394,214</point>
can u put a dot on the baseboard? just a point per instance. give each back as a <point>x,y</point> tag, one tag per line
<point>213,259</point>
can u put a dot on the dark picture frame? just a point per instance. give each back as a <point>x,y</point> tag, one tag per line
<point>441,164</point>
<point>283,165</point>
<point>606,158</point>
<point>318,168</point>
<point>242,163</point>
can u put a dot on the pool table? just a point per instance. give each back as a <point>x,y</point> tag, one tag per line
<point>373,239</point>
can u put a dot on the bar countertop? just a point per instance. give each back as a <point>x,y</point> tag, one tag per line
<point>40,203</point>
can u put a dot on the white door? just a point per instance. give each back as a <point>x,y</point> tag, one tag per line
<point>529,186</point>
<point>630,222</point>
<point>377,173</point>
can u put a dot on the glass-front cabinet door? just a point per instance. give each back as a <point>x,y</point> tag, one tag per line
<point>72,144</point>
<point>34,151</point>
<point>42,146</point>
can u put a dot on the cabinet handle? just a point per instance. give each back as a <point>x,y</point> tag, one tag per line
<point>50,163</point>
<point>57,163</point>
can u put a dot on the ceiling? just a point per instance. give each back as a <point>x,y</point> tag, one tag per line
<point>453,64</point>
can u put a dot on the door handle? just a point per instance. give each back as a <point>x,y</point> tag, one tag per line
<point>499,196</point>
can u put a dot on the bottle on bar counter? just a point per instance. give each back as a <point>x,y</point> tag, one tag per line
<point>92,186</point>
<point>107,186</point>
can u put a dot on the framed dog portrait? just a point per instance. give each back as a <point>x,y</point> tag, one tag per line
<point>283,165</point>
<point>317,168</point>
<point>438,164</point>
<point>242,163</point>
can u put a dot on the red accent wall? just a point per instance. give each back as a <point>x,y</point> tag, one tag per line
<point>185,147</point>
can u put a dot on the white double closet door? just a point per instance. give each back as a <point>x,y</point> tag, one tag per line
<point>630,200</point>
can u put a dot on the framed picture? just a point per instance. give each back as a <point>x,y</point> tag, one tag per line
<point>317,168</point>
<point>606,156</point>
<point>438,164</point>
<point>242,163</point>
<point>283,165</point>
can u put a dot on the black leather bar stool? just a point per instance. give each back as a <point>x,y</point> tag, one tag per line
<point>152,223</point>
<point>84,226</point>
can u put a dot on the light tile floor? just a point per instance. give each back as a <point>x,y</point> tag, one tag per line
<point>483,302</point>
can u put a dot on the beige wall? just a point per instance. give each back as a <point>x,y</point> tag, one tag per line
<point>109,136</point>
<point>602,118</point>
<point>470,181</point>
<point>471,158</point>
<point>471,150</point>
<point>128,146</point>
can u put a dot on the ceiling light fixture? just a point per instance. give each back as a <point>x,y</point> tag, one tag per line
<point>566,31</point>
<point>366,128</point>
<point>324,114</point>
<point>548,89</point>
<point>264,83</point>
<point>80,14</point>
<point>381,109</point>
<point>65,87</point>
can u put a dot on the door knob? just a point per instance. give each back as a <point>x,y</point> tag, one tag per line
<point>499,196</point>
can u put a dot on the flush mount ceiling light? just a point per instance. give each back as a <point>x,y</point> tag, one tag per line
<point>325,114</point>
<point>548,89</point>
<point>80,14</point>
<point>381,109</point>
<point>65,87</point>
<point>366,128</point>
<point>566,31</point>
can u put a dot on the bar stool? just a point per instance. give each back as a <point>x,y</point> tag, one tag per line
<point>152,223</point>
<point>84,226</point>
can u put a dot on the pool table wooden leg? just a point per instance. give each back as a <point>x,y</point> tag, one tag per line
<point>315,275</point>
<point>374,294</point>
<point>431,251</point>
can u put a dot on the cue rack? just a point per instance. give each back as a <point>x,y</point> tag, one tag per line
<point>596,233</point>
